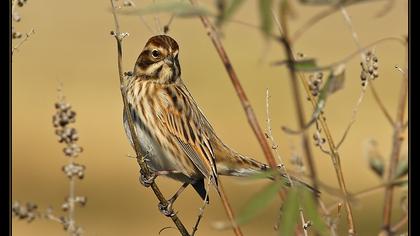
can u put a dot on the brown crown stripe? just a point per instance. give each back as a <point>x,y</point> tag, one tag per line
<point>163,41</point>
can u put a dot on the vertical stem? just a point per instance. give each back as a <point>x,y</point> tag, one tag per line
<point>333,150</point>
<point>249,111</point>
<point>119,37</point>
<point>397,141</point>
<point>228,209</point>
<point>282,27</point>
<point>71,198</point>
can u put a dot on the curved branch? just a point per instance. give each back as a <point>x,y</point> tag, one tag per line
<point>322,15</point>
<point>381,105</point>
<point>349,56</point>
<point>119,37</point>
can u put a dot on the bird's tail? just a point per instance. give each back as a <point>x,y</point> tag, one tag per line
<point>231,163</point>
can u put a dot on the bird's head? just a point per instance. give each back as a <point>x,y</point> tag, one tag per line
<point>159,60</point>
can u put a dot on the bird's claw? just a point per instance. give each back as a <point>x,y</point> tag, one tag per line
<point>166,209</point>
<point>146,180</point>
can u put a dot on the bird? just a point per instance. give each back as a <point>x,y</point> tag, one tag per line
<point>175,136</point>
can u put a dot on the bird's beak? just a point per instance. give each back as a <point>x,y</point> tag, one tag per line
<point>169,60</point>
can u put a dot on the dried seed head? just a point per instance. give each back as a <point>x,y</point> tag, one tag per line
<point>16,17</point>
<point>20,3</point>
<point>74,169</point>
<point>128,3</point>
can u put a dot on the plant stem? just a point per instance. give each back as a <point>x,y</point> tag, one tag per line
<point>335,157</point>
<point>229,211</point>
<point>397,140</point>
<point>381,105</point>
<point>119,37</point>
<point>282,27</point>
<point>71,198</point>
<point>246,105</point>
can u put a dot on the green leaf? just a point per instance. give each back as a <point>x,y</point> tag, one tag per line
<point>228,13</point>
<point>264,174</point>
<point>304,64</point>
<point>290,213</point>
<point>334,82</point>
<point>311,212</point>
<point>402,169</point>
<point>377,166</point>
<point>374,157</point>
<point>258,202</point>
<point>401,183</point>
<point>266,21</point>
<point>319,2</point>
<point>181,9</point>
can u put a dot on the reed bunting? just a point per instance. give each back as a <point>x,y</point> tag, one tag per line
<point>175,137</point>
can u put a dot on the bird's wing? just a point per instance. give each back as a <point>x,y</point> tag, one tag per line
<point>187,124</point>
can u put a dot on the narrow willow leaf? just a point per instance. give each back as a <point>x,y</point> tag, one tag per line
<point>266,21</point>
<point>402,169</point>
<point>374,157</point>
<point>304,64</point>
<point>229,11</point>
<point>401,183</point>
<point>290,213</point>
<point>311,212</point>
<point>319,2</point>
<point>258,202</point>
<point>377,166</point>
<point>265,174</point>
<point>181,9</point>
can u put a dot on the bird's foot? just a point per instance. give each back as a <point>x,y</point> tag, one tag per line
<point>147,180</point>
<point>166,209</point>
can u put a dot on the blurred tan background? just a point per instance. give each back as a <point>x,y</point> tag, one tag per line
<point>72,44</point>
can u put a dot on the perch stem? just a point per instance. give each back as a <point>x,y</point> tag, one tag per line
<point>119,37</point>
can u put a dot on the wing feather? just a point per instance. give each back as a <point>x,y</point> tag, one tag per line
<point>188,125</point>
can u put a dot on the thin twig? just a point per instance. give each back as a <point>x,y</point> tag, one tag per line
<point>275,147</point>
<point>228,208</point>
<point>363,92</point>
<point>333,150</point>
<point>403,221</point>
<point>282,27</point>
<point>302,218</point>
<point>322,15</point>
<point>71,198</point>
<point>397,141</point>
<point>367,192</point>
<point>22,41</point>
<point>347,58</point>
<point>381,104</point>
<point>249,111</point>
<point>250,114</point>
<point>273,141</point>
<point>119,37</point>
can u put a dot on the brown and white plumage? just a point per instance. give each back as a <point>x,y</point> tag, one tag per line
<point>173,131</point>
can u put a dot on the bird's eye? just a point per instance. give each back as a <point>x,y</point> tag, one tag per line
<point>155,53</point>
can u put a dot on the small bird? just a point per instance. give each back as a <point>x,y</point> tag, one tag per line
<point>175,137</point>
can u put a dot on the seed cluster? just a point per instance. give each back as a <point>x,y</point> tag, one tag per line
<point>370,67</point>
<point>63,117</point>
<point>318,139</point>
<point>17,18</point>
<point>81,200</point>
<point>315,82</point>
<point>25,212</point>
<point>74,169</point>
